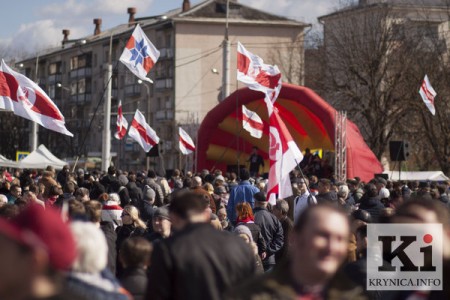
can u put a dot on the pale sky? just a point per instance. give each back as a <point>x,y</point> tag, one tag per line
<point>33,25</point>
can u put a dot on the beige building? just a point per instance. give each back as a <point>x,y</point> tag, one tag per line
<point>187,77</point>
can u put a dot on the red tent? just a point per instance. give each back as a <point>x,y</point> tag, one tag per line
<point>310,120</point>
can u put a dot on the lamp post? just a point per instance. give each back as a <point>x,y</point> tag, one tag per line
<point>106,149</point>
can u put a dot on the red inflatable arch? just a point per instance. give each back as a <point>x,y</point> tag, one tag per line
<point>310,120</point>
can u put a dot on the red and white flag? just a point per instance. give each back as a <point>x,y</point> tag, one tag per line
<point>284,155</point>
<point>428,93</point>
<point>139,55</point>
<point>252,122</point>
<point>142,133</point>
<point>122,124</point>
<point>258,76</point>
<point>26,99</point>
<point>187,146</point>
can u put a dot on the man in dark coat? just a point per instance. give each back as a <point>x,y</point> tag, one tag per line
<point>371,202</point>
<point>199,262</point>
<point>325,193</point>
<point>280,210</point>
<point>271,230</point>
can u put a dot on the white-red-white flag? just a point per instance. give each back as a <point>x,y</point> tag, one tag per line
<point>187,146</point>
<point>26,99</point>
<point>139,55</point>
<point>252,122</point>
<point>142,133</point>
<point>258,76</point>
<point>284,155</point>
<point>428,94</point>
<point>122,124</point>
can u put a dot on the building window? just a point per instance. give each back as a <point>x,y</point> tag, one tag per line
<point>51,91</point>
<point>74,63</point>
<point>54,68</point>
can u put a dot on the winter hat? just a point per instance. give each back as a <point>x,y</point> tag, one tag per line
<point>161,212</point>
<point>242,229</point>
<point>260,197</point>
<point>123,180</point>
<point>149,193</point>
<point>384,193</point>
<point>35,227</point>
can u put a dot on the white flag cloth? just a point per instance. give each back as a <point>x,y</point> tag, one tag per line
<point>258,76</point>
<point>428,93</point>
<point>139,55</point>
<point>284,155</point>
<point>252,122</point>
<point>142,133</point>
<point>26,99</point>
<point>122,124</point>
<point>187,146</point>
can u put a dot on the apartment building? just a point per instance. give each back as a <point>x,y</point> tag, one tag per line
<point>187,77</point>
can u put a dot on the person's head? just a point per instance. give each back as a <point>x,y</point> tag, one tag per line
<point>114,199</point>
<point>82,194</point>
<point>343,191</point>
<point>135,252</point>
<point>92,248</point>
<point>244,174</point>
<point>161,221</point>
<point>222,214</point>
<point>260,199</point>
<point>196,181</point>
<point>319,244</point>
<point>255,150</point>
<point>76,209</point>
<point>188,207</point>
<point>111,170</point>
<point>244,211</point>
<point>16,190</point>
<point>34,245</point>
<point>130,216</point>
<point>361,239</point>
<point>281,209</point>
<point>3,200</point>
<point>302,184</point>
<point>371,190</point>
<point>380,183</point>
<point>149,194</point>
<point>209,188</point>
<point>324,186</point>
<point>151,174</point>
<point>93,211</point>
<point>242,229</point>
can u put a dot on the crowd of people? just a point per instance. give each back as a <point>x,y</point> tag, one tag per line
<point>210,235</point>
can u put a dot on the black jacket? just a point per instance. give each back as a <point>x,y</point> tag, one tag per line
<point>373,206</point>
<point>257,236</point>
<point>111,237</point>
<point>272,232</point>
<point>287,226</point>
<point>134,280</point>
<point>199,262</point>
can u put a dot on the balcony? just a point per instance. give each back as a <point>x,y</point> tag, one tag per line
<point>80,73</point>
<point>164,115</point>
<point>81,98</point>
<point>165,53</point>
<point>166,83</point>
<point>54,78</point>
<point>133,90</point>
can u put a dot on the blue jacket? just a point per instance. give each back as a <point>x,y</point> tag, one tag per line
<point>242,193</point>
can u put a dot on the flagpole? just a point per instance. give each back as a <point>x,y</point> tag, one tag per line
<point>34,125</point>
<point>106,149</point>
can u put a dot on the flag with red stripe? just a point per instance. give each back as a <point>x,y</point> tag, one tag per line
<point>252,122</point>
<point>284,155</point>
<point>26,99</point>
<point>142,133</point>
<point>187,146</point>
<point>139,55</point>
<point>428,94</point>
<point>258,76</point>
<point>122,124</point>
